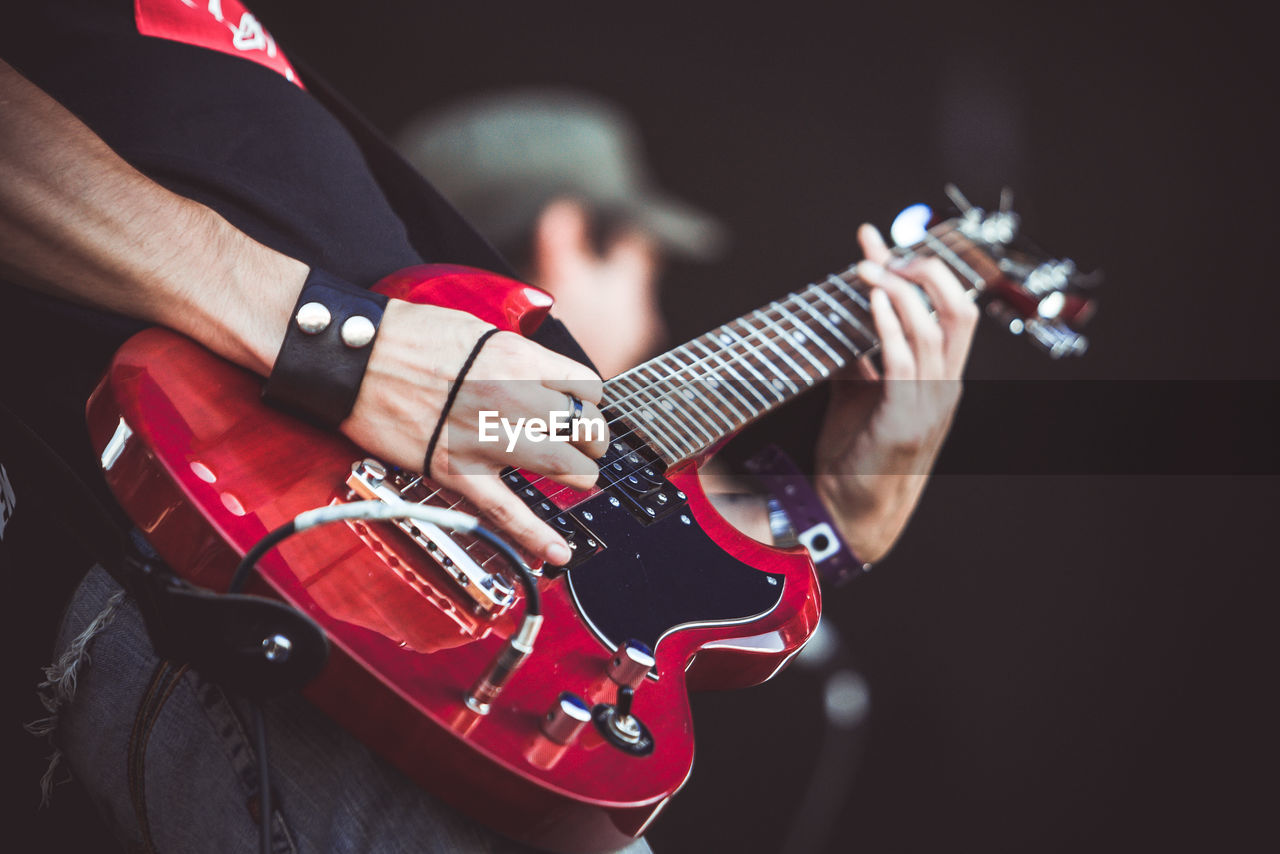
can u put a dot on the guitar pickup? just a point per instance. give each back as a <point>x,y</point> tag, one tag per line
<point>583,542</point>
<point>490,591</point>
<point>637,483</point>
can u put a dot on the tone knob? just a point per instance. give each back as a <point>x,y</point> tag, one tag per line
<point>568,715</point>
<point>630,664</point>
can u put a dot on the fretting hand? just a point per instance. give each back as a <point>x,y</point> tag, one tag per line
<point>882,431</point>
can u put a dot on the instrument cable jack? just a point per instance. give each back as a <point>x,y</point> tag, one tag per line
<point>480,697</point>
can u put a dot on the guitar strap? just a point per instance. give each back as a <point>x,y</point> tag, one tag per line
<point>435,228</point>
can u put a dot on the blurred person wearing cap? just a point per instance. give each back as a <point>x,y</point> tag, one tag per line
<point>557,182</point>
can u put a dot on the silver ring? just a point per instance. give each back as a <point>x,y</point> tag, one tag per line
<point>576,406</point>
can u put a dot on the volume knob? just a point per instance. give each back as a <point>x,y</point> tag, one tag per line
<point>566,718</point>
<point>630,664</point>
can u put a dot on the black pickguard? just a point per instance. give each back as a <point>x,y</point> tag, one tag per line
<point>652,578</point>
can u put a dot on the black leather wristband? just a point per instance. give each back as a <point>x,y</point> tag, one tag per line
<point>326,349</point>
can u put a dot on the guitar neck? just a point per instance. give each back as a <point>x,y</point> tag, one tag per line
<point>689,398</point>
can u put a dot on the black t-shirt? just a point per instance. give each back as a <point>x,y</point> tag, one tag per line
<point>232,132</point>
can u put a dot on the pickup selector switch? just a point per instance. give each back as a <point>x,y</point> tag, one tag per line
<point>621,728</point>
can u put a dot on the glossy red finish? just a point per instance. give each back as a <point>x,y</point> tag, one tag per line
<point>509,305</point>
<point>209,470</point>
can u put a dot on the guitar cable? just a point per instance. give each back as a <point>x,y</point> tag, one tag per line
<point>517,648</point>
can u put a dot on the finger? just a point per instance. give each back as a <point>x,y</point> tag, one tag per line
<point>589,432</point>
<point>873,245</point>
<point>553,411</point>
<point>895,352</point>
<point>507,356</point>
<point>564,374</point>
<point>956,310</point>
<point>506,512</point>
<point>921,330</point>
<point>867,370</point>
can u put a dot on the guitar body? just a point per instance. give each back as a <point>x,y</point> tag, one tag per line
<point>205,470</point>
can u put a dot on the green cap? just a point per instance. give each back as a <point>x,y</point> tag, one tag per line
<point>501,158</point>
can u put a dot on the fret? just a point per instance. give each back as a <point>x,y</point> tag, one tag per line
<point>780,376</point>
<point>784,337</point>
<point>853,293</point>
<point>745,361</point>
<point>692,391</point>
<point>827,322</point>
<point>697,342</point>
<point>975,256</point>
<point>835,357</point>
<point>866,333</point>
<point>666,404</point>
<point>955,261</point>
<point>641,418</point>
<point>715,383</point>
<point>799,334</point>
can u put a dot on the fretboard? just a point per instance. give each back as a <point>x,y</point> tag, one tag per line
<point>689,398</point>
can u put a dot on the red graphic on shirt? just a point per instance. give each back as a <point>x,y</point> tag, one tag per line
<point>223,25</point>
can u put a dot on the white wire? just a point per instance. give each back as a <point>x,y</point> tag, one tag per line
<point>390,508</point>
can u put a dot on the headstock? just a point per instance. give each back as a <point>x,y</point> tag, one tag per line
<point>1044,297</point>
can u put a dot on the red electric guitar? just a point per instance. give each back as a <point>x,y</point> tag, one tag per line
<point>662,596</point>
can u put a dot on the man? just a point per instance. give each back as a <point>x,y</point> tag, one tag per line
<point>163,164</point>
<point>557,181</point>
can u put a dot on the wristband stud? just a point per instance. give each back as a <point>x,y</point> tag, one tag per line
<point>358,331</point>
<point>313,318</point>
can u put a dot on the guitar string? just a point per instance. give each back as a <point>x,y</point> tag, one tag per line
<point>735,357</point>
<point>943,229</point>
<point>647,390</point>
<point>773,325</point>
<point>741,358</point>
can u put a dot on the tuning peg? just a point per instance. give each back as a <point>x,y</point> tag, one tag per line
<point>1057,340</point>
<point>1006,199</point>
<point>957,198</point>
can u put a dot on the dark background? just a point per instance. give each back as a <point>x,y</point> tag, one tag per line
<point>1078,657</point>
<point>1073,648</point>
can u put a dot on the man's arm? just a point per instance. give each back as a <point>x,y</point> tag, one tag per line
<point>79,223</point>
<point>881,434</point>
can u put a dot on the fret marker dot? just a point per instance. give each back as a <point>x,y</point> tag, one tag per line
<point>688,395</point>
<point>834,318</point>
<point>798,337</point>
<point>667,405</point>
<point>779,385</point>
<point>726,338</point>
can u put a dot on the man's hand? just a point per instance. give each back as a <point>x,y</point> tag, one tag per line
<point>882,433</point>
<point>415,359</point>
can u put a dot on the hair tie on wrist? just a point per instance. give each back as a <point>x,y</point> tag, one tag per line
<point>325,352</point>
<point>453,394</point>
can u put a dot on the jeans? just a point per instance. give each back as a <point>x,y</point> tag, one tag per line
<point>169,760</point>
